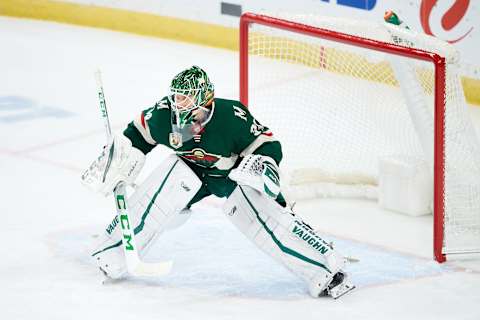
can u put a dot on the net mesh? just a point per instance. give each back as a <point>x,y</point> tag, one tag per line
<point>338,109</point>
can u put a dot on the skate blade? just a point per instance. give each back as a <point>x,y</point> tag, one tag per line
<point>341,290</point>
<point>352,259</point>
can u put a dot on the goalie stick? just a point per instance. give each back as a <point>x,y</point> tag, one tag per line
<point>135,266</point>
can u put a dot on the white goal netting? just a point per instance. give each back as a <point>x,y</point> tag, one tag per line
<point>338,109</point>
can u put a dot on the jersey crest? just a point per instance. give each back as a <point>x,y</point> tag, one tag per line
<point>200,157</point>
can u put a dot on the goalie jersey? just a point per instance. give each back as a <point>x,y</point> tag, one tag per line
<point>229,134</point>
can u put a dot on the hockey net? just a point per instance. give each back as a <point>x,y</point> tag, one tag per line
<point>342,94</point>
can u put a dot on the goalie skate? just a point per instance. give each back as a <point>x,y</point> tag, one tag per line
<point>339,286</point>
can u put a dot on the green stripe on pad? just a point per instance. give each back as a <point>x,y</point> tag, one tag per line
<point>283,248</point>
<point>139,228</point>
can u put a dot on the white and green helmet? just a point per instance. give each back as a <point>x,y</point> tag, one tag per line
<point>190,89</point>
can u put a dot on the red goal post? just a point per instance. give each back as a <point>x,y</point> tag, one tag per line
<point>247,19</point>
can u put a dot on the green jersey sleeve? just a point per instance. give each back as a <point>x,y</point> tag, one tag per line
<point>151,127</point>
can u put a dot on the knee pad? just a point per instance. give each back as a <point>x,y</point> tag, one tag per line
<point>158,204</point>
<point>281,234</point>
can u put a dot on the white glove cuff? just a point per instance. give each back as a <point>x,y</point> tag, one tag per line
<point>119,161</point>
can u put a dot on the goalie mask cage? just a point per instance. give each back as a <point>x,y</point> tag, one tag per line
<point>341,94</point>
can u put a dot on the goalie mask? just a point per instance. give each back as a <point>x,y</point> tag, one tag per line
<point>191,92</point>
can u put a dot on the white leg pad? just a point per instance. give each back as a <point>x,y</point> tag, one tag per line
<point>157,205</point>
<point>284,236</point>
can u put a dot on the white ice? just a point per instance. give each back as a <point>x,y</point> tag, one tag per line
<point>51,129</point>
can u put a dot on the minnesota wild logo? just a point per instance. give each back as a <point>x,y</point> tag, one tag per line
<point>200,157</point>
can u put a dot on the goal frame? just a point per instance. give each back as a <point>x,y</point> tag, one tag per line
<point>438,62</point>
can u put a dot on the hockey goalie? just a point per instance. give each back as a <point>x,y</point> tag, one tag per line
<point>219,149</point>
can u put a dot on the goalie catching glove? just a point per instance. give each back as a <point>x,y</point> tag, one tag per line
<point>119,161</point>
<point>259,172</point>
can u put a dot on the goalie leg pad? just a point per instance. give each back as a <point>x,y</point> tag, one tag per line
<point>157,205</point>
<point>284,236</point>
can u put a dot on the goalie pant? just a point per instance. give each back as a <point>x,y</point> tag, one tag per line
<point>161,203</point>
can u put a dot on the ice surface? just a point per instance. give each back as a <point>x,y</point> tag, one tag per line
<point>51,129</point>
